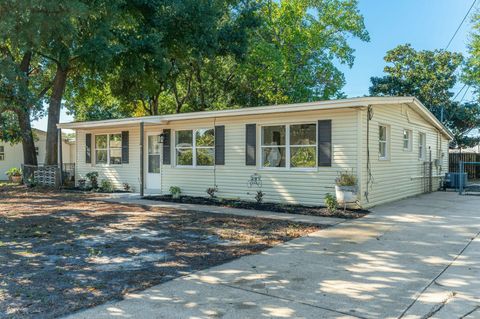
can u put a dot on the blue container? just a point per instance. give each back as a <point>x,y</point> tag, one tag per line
<point>452,180</point>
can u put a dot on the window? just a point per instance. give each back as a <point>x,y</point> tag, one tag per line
<point>407,140</point>
<point>115,149</point>
<point>36,150</point>
<point>383,142</point>
<point>2,153</point>
<point>289,146</point>
<point>422,140</point>
<point>195,147</point>
<point>108,149</point>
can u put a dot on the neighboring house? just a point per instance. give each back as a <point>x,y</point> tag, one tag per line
<point>293,153</point>
<point>12,155</point>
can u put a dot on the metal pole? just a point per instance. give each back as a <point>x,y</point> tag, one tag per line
<point>460,177</point>
<point>142,173</point>
<point>60,156</point>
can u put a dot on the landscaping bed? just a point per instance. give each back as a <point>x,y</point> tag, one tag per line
<point>62,252</point>
<point>274,207</point>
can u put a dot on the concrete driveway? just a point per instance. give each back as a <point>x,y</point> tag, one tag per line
<point>415,258</point>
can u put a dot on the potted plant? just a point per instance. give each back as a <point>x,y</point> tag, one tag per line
<point>14,174</point>
<point>346,188</point>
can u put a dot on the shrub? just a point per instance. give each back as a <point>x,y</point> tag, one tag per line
<point>93,178</point>
<point>331,202</point>
<point>14,171</point>
<point>211,191</point>
<point>346,179</point>
<point>106,186</point>
<point>175,191</point>
<point>259,197</point>
<point>126,187</point>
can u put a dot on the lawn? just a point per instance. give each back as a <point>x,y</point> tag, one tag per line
<point>61,252</point>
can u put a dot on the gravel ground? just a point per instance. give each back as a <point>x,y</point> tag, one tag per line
<point>61,252</point>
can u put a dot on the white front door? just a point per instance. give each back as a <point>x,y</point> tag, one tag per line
<point>154,148</point>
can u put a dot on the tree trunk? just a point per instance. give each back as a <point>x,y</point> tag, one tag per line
<point>59,83</point>
<point>23,115</point>
<point>28,143</point>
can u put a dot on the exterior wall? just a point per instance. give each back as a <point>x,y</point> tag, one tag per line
<point>401,174</point>
<point>13,158</point>
<point>398,177</point>
<point>279,185</point>
<point>117,174</point>
<point>14,153</point>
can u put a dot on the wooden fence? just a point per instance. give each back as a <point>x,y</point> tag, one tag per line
<point>472,170</point>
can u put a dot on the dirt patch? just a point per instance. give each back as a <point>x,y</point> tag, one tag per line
<point>273,207</point>
<point>61,252</point>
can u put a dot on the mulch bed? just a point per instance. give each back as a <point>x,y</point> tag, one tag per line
<point>274,207</point>
<point>62,252</point>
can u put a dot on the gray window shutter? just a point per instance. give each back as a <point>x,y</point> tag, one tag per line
<point>125,144</point>
<point>220,145</point>
<point>324,143</point>
<point>250,144</point>
<point>88,148</point>
<point>166,146</point>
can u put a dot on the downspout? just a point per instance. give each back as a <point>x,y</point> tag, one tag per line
<point>60,155</point>
<point>142,173</point>
<point>369,168</point>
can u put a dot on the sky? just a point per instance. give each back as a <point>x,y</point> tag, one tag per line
<point>425,24</point>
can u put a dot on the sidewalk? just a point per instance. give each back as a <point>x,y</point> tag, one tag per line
<point>135,199</point>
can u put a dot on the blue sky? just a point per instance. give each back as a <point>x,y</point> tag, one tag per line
<point>426,24</point>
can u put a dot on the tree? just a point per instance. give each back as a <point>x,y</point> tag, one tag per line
<point>24,75</point>
<point>83,42</point>
<point>169,46</point>
<point>463,120</point>
<point>428,75</point>
<point>293,55</point>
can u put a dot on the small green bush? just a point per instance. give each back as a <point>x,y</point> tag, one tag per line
<point>126,187</point>
<point>331,202</point>
<point>346,179</point>
<point>14,171</point>
<point>93,179</point>
<point>175,191</point>
<point>106,186</point>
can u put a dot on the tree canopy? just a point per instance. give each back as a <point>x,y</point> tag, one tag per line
<point>430,76</point>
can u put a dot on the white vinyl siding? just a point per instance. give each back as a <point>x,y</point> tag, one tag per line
<point>296,185</point>
<point>401,176</point>
<point>117,174</point>
<point>396,178</point>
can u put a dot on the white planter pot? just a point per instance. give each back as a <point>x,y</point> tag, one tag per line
<point>345,194</point>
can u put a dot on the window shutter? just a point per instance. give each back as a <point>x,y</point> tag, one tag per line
<point>166,146</point>
<point>324,143</point>
<point>250,144</point>
<point>88,148</point>
<point>220,145</point>
<point>125,144</point>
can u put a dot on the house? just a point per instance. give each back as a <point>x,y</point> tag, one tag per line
<point>293,153</point>
<point>12,155</point>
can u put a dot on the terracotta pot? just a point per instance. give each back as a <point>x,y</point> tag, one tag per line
<point>16,179</point>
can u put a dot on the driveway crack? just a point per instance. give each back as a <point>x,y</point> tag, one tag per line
<point>440,274</point>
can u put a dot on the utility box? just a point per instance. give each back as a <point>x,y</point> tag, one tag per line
<point>452,180</point>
